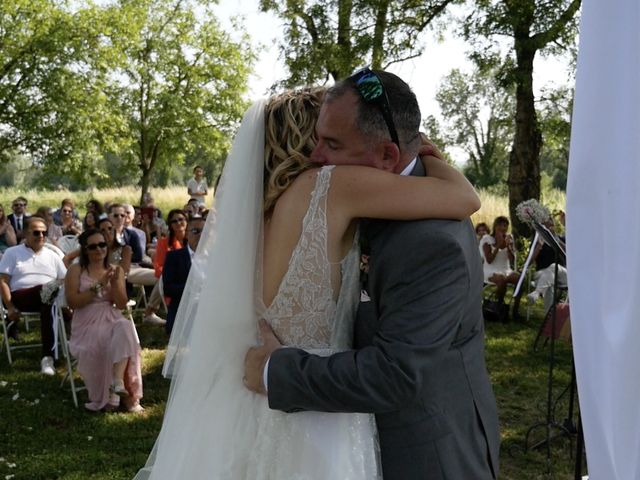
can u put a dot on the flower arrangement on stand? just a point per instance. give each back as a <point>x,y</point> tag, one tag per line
<point>531,211</point>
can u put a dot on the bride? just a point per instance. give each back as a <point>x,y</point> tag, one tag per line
<point>282,245</point>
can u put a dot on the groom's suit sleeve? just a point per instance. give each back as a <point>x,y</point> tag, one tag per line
<point>421,294</point>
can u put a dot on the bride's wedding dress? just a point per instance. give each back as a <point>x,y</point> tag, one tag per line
<point>214,428</point>
<point>304,314</point>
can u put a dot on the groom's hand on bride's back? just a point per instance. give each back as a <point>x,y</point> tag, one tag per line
<point>257,357</point>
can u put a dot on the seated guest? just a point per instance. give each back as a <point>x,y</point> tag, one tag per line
<point>90,220</point>
<point>118,254</point>
<point>544,278</point>
<point>177,221</point>
<point>130,214</point>
<point>176,269</point>
<point>7,233</point>
<point>192,207</point>
<point>67,218</point>
<point>94,206</point>
<point>54,232</point>
<point>138,274</point>
<point>24,269</point>
<point>498,253</point>
<point>482,229</point>
<point>123,235</point>
<point>103,341</point>
<point>153,226</point>
<point>148,203</point>
<point>19,217</point>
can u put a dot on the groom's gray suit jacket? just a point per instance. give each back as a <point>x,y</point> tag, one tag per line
<point>418,362</point>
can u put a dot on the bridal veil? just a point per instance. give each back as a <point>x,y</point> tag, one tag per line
<point>208,421</point>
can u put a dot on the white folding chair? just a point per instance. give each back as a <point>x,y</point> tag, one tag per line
<point>63,344</point>
<point>68,243</point>
<point>26,317</point>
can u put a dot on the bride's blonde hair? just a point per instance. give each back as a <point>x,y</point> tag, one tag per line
<point>290,120</point>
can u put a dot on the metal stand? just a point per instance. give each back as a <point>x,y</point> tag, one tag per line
<point>550,425</point>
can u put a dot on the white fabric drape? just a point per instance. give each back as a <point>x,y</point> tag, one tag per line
<point>603,236</point>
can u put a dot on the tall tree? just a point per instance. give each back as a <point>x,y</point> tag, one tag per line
<point>555,108</point>
<point>546,26</point>
<point>182,81</point>
<point>331,38</point>
<point>478,118</point>
<point>52,105</point>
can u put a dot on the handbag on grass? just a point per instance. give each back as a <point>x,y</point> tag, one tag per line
<point>563,323</point>
<point>493,310</point>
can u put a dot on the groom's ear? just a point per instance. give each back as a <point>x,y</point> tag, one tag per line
<point>390,157</point>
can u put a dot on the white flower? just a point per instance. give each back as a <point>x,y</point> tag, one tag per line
<point>3,383</point>
<point>89,438</point>
<point>530,211</point>
<point>16,396</point>
<point>50,291</point>
<point>11,465</point>
<point>8,477</point>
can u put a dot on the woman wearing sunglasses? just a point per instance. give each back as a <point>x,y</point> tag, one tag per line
<point>103,341</point>
<point>177,221</point>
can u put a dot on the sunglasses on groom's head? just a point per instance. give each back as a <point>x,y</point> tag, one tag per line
<point>371,89</point>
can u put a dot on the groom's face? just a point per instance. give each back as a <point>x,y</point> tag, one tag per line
<point>340,142</point>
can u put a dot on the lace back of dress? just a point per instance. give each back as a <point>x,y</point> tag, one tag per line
<point>304,307</point>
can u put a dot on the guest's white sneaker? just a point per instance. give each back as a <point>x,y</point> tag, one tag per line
<point>46,366</point>
<point>533,297</point>
<point>153,319</point>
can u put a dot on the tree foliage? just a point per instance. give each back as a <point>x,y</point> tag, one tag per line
<point>331,38</point>
<point>52,105</point>
<point>534,26</point>
<point>478,117</point>
<point>145,82</point>
<point>182,80</point>
<point>555,108</point>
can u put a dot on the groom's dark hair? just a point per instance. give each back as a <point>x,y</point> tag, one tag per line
<point>402,101</point>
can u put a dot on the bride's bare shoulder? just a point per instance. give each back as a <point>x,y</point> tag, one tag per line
<point>296,197</point>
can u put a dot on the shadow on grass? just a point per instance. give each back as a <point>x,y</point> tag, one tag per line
<point>43,437</point>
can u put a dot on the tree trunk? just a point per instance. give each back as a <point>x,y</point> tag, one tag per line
<point>343,59</point>
<point>145,180</point>
<point>377,46</point>
<point>524,161</point>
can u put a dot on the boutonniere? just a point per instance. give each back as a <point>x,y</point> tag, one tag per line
<point>364,264</point>
<point>364,276</point>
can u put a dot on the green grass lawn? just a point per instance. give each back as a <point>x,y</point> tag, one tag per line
<point>43,437</point>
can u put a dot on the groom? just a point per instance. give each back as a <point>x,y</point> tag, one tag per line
<point>418,359</point>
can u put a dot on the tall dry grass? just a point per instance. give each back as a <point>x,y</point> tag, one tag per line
<point>176,196</point>
<point>495,205</point>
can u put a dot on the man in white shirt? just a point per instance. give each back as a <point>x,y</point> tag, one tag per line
<point>197,187</point>
<point>24,269</point>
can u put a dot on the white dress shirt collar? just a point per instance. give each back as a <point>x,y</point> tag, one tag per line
<point>409,168</point>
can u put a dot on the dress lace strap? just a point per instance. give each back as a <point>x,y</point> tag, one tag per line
<point>302,312</point>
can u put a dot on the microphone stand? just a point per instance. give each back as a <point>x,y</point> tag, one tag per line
<point>549,424</point>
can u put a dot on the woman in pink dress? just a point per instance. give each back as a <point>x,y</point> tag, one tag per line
<point>102,339</point>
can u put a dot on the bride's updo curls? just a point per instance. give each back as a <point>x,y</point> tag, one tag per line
<point>290,120</point>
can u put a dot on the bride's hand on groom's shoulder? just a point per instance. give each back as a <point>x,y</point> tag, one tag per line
<point>257,357</point>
